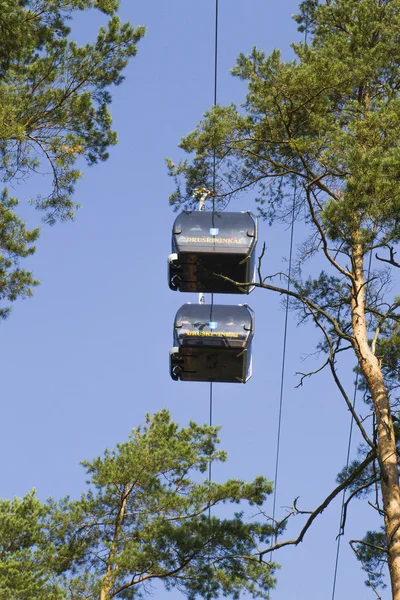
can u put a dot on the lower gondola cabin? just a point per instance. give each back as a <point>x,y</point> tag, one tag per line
<point>212,343</point>
<point>207,245</point>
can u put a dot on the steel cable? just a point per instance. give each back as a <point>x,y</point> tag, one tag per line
<point>340,533</point>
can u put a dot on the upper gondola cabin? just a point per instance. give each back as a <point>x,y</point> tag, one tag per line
<point>206,245</point>
<point>212,343</point>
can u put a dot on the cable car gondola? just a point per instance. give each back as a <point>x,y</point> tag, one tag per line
<point>206,244</point>
<point>212,343</point>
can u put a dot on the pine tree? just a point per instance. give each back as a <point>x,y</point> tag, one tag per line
<point>327,124</point>
<point>146,517</point>
<point>54,98</point>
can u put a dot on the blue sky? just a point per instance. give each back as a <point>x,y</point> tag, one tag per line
<point>87,356</point>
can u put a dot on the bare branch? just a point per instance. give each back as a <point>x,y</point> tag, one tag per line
<point>310,373</point>
<point>368,459</point>
<point>375,339</point>
<point>371,585</point>
<point>308,303</point>
<point>345,505</point>
<point>323,237</point>
<point>391,260</point>
<point>350,405</point>
<point>380,548</point>
<point>375,506</point>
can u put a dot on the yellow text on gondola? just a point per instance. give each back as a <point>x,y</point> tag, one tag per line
<point>212,334</point>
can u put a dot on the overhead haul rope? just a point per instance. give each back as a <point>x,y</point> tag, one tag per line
<point>278,436</point>
<point>213,186</point>
<point>285,330</point>
<point>341,530</point>
<point>213,210</point>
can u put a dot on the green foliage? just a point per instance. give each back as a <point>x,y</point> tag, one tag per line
<point>388,351</point>
<point>145,517</point>
<point>15,242</point>
<point>24,574</point>
<point>371,551</point>
<point>330,118</point>
<point>332,295</point>
<point>54,98</point>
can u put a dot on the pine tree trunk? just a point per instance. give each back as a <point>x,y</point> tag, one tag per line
<point>386,450</point>
<point>108,580</point>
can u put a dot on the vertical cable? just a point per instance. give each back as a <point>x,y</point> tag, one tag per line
<point>215,104</point>
<point>213,224</point>
<point>283,363</point>
<point>216,53</point>
<point>340,533</point>
<point>339,537</point>
<point>278,439</point>
<point>210,423</point>
<point>214,173</point>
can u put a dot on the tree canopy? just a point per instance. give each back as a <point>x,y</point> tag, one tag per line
<point>144,518</point>
<point>54,99</point>
<point>318,137</point>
